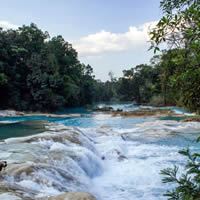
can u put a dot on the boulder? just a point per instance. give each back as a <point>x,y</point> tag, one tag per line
<point>192,119</point>
<point>73,196</point>
<point>103,109</point>
<point>10,113</point>
<point>9,196</point>
<point>145,112</point>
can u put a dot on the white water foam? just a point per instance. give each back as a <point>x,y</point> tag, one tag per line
<point>111,163</point>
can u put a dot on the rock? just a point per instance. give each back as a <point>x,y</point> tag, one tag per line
<point>72,196</point>
<point>13,191</point>
<point>9,196</point>
<point>10,113</point>
<point>144,113</point>
<point>122,157</point>
<point>123,137</point>
<point>52,115</point>
<point>192,119</point>
<point>103,158</point>
<point>3,165</point>
<point>103,109</point>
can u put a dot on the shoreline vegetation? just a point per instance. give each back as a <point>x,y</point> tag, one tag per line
<point>179,28</point>
<point>148,112</point>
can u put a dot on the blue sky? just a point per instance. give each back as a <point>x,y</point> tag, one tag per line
<point>111,35</point>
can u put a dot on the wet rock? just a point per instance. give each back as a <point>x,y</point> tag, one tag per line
<point>49,163</point>
<point>73,196</point>
<point>123,137</point>
<point>3,165</point>
<point>53,115</point>
<point>192,119</point>
<point>122,157</point>
<point>15,170</point>
<point>103,109</point>
<point>61,136</point>
<point>10,113</point>
<point>13,191</point>
<point>144,113</point>
<point>103,158</point>
<point>9,196</point>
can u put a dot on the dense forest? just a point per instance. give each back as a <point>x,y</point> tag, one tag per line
<point>179,72</point>
<point>173,75</point>
<point>38,72</point>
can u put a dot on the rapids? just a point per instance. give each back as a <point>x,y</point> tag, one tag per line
<point>113,158</point>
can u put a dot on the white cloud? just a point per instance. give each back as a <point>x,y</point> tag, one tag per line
<point>7,25</point>
<point>104,41</point>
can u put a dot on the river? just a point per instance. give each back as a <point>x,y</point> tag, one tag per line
<point>112,157</point>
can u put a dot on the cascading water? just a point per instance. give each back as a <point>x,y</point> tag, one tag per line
<point>114,158</point>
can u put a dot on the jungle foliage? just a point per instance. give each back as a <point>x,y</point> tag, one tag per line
<point>42,73</point>
<point>180,28</point>
<point>38,72</point>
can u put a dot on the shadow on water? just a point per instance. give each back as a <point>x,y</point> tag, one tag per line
<point>76,110</point>
<point>20,129</point>
<point>175,118</point>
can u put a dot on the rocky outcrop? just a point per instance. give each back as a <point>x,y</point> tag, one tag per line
<point>13,113</point>
<point>10,113</point>
<point>144,112</point>
<point>103,109</point>
<point>72,196</point>
<point>192,119</point>
<point>9,196</point>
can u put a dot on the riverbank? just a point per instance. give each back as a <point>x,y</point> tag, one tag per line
<point>116,111</point>
<point>149,111</point>
<point>14,113</point>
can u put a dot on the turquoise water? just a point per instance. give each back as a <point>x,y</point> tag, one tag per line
<point>176,118</point>
<point>20,129</point>
<point>114,158</point>
<point>18,126</point>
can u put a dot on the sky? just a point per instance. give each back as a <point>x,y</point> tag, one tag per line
<point>110,35</point>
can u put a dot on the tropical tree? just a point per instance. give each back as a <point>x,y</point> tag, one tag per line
<point>180,28</point>
<point>42,73</point>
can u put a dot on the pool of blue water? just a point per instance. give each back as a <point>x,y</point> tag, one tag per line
<point>27,125</point>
